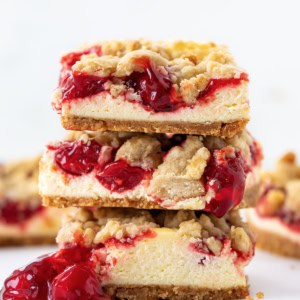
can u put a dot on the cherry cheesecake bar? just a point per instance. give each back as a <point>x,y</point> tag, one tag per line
<point>23,219</point>
<point>276,219</point>
<point>148,86</point>
<point>138,254</point>
<point>151,171</point>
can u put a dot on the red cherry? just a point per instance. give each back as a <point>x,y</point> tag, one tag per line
<point>226,175</point>
<point>154,87</point>
<point>78,158</point>
<point>119,176</point>
<point>78,282</point>
<point>29,283</point>
<point>14,212</point>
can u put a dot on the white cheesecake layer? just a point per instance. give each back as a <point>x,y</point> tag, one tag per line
<point>272,225</point>
<point>168,260</point>
<point>55,183</point>
<point>43,224</point>
<point>229,104</point>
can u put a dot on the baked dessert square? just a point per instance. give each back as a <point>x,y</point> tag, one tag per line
<point>138,254</point>
<point>153,86</point>
<point>276,218</point>
<point>151,171</point>
<point>23,219</point>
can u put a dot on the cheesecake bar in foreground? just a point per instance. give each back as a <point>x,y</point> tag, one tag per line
<point>23,220</point>
<point>276,219</point>
<point>152,86</point>
<point>141,255</point>
<point>151,171</point>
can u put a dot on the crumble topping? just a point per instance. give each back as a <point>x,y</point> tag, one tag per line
<point>281,188</point>
<point>97,225</point>
<point>19,180</point>
<point>178,165</point>
<point>190,65</point>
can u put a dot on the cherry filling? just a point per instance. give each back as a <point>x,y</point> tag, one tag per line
<point>289,218</point>
<point>219,83</point>
<point>70,59</point>
<point>119,176</point>
<point>154,88</point>
<point>225,174</point>
<point>153,85</point>
<point>79,85</point>
<point>66,274</point>
<point>15,212</point>
<point>78,158</point>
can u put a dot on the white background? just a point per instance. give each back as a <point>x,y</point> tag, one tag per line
<point>263,36</point>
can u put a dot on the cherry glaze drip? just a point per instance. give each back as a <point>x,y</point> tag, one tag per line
<point>78,158</point>
<point>46,278</point>
<point>16,213</point>
<point>119,176</point>
<point>225,174</point>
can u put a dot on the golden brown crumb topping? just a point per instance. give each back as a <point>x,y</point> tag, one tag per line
<point>97,225</point>
<point>19,180</point>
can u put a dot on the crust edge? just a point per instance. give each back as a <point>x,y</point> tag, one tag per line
<point>225,130</point>
<point>26,241</point>
<point>274,243</point>
<point>174,293</point>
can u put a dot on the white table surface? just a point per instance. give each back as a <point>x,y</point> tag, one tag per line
<point>277,277</point>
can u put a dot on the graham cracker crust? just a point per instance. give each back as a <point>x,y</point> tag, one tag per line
<point>249,200</point>
<point>174,293</point>
<point>26,241</point>
<point>274,243</point>
<point>216,129</point>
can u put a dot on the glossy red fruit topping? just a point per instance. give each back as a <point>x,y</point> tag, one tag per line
<point>219,83</point>
<point>225,174</point>
<point>31,282</point>
<point>79,85</point>
<point>289,218</point>
<point>71,58</point>
<point>78,282</point>
<point>14,212</point>
<point>78,158</point>
<point>154,87</point>
<point>119,176</point>
<point>66,274</point>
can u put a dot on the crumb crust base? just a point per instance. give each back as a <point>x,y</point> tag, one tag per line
<point>225,130</point>
<point>174,293</point>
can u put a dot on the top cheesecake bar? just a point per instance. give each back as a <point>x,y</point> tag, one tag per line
<point>151,86</point>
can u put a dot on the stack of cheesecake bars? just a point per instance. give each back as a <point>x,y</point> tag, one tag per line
<point>157,162</point>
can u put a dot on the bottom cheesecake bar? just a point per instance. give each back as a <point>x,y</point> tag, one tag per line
<point>276,218</point>
<point>137,254</point>
<point>23,219</point>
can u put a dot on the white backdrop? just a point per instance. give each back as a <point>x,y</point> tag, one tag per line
<point>263,36</point>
